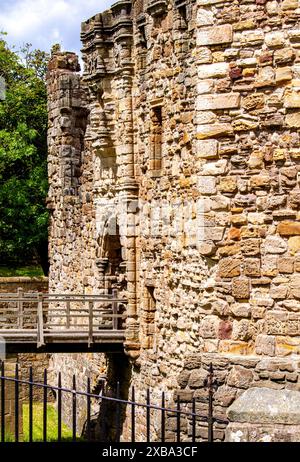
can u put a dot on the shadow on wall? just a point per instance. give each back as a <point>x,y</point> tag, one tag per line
<point>107,426</point>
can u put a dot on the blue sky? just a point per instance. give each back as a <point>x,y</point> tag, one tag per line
<point>45,22</point>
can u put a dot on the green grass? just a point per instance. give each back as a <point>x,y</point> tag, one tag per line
<point>28,271</point>
<point>9,438</point>
<point>52,421</point>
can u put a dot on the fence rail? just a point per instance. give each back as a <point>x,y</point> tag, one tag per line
<point>131,407</point>
<point>49,318</point>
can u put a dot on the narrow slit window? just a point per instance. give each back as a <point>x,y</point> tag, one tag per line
<point>143,38</point>
<point>182,10</point>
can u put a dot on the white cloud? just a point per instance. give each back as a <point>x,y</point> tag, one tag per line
<point>45,22</point>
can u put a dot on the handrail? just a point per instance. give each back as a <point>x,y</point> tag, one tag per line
<point>44,312</point>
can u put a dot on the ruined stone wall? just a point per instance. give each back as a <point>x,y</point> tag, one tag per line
<point>191,107</point>
<point>231,144</point>
<point>27,284</point>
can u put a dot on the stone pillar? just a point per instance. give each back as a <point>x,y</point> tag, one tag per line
<point>264,415</point>
<point>128,200</point>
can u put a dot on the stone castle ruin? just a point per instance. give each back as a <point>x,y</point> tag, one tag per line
<point>174,178</point>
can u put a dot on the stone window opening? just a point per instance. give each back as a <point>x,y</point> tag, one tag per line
<point>182,10</point>
<point>143,37</point>
<point>156,140</point>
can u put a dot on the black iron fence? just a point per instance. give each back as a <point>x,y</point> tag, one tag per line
<point>137,417</point>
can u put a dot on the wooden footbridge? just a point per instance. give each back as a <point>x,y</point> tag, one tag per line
<point>39,322</point>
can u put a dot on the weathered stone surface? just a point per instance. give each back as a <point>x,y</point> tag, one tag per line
<point>213,70</point>
<point>265,345</point>
<point>207,148</point>
<point>289,228</point>
<point>293,120</point>
<point>240,288</point>
<point>213,130</point>
<point>230,267</point>
<point>223,101</point>
<point>263,405</point>
<point>240,377</point>
<point>258,433</point>
<point>215,35</point>
<point>292,99</point>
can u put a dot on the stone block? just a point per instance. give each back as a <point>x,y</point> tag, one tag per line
<point>274,244</point>
<point>259,433</point>
<point>284,56</point>
<point>292,99</point>
<point>209,327</point>
<point>214,168</point>
<point>221,101</point>
<point>266,406</point>
<point>250,246</point>
<point>289,228</point>
<point>239,377</point>
<point>213,131</point>
<point>205,17</point>
<point>207,185</point>
<point>229,267</point>
<point>253,102</point>
<point>197,378</point>
<point>215,35</point>
<point>241,310</point>
<point>275,39</point>
<point>260,181</point>
<point>294,244</point>
<point>225,330</point>
<point>228,184</point>
<point>285,265</point>
<point>207,149</point>
<point>283,74</point>
<point>206,71</point>
<point>293,120</point>
<point>269,265</point>
<point>252,267</point>
<point>241,288</point>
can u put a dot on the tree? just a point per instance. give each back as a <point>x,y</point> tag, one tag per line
<point>23,157</point>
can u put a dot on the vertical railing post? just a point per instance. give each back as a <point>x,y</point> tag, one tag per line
<point>88,404</point>
<point>210,404</point>
<point>2,402</point>
<point>30,404</point>
<point>45,407</point>
<point>178,417</point>
<point>91,323</point>
<point>74,409</point>
<point>118,413</point>
<point>163,417</point>
<point>68,312</point>
<point>17,404</point>
<point>40,322</point>
<point>115,309</point>
<point>194,421</point>
<point>59,408</point>
<point>20,308</point>
<point>148,435</point>
<point>133,415</point>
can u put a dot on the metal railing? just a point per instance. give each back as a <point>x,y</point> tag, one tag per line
<point>137,413</point>
<point>60,317</point>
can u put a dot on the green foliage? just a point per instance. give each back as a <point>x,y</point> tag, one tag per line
<point>26,271</point>
<point>23,156</point>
